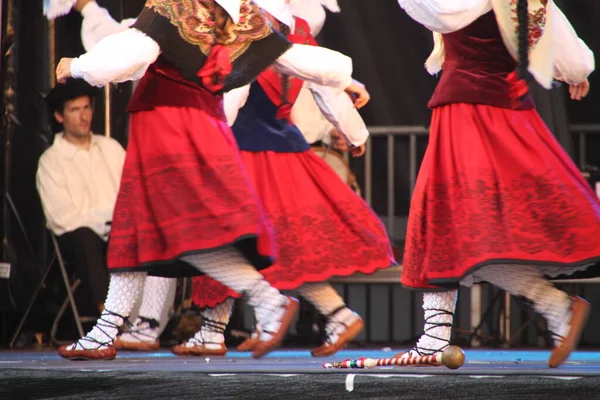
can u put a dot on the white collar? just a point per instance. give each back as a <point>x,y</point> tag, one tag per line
<point>280,10</point>
<point>67,148</point>
<point>232,7</point>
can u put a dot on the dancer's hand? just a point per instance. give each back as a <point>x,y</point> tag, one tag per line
<point>358,151</point>
<point>358,93</point>
<point>63,70</point>
<point>80,4</point>
<point>339,141</point>
<point>579,91</point>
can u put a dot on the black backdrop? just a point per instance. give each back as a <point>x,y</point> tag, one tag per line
<point>388,48</point>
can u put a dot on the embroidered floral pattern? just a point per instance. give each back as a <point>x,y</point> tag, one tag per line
<point>195,22</point>
<point>496,188</point>
<point>537,20</point>
<point>187,196</point>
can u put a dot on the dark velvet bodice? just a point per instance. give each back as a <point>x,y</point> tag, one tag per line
<point>476,67</point>
<point>257,127</point>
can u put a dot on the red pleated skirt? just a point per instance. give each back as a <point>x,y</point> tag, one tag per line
<point>323,228</point>
<point>184,190</point>
<point>495,187</point>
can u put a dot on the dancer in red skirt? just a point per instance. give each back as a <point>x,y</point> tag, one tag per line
<point>323,228</point>
<point>497,199</point>
<point>186,204</point>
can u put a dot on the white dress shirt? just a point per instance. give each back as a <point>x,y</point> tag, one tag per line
<point>79,187</point>
<point>307,116</point>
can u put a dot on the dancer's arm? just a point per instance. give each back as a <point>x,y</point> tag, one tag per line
<point>98,23</point>
<point>317,64</point>
<point>445,16</point>
<point>324,67</point>
<point>339,109</point>
<point>116,58</point>
<point>574,59</point>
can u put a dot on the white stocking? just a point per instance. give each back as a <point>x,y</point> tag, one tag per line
<point>124,289</point>
<point>438,308</point>
<point>229,267</point>
<point>158,298</point>
<point>323,296</point>
<point>330,304</point>
<point>527,281</point>
<point>214,323</point>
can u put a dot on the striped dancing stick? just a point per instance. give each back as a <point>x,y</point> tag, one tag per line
<point>453,357</point>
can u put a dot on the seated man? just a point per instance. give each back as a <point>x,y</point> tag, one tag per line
<point>78,179</point>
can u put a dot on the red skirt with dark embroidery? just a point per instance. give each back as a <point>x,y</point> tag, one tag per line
<point>323,228</point>
<point>184,190</point>
<point>495,187</point>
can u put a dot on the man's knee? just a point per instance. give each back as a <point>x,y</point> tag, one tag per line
<point>85,234</point>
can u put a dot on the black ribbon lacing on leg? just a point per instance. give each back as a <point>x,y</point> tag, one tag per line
<point>423,351</point>
<point>332,324</point>
<point>208,325</point>
<point>138,330</point>
<point>266,305</point>
<point>272,308</point>
<point>102,323</point>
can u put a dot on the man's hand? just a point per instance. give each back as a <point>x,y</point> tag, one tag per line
<point>358,151</point>
<point>339,141</point>
<point>63,70</point>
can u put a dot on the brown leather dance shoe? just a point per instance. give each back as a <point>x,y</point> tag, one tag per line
<point>248,344</point>
<point>105,354</point>
<point>199,350</point>
<point>136,346</point>
<point>580,310</point>
<point>263,348</point>
<point>330,348</point>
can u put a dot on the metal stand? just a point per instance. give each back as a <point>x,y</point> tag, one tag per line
<point>68,288</point>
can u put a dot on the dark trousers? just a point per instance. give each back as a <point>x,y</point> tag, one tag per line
<point>86,251</point>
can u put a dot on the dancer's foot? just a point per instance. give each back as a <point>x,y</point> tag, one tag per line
<point>567,330</point>
<point>74,352</point>
<point>196,348</point>
<point>131,343</point>
<point>438,328</point>
<point>208,341</point>
<point>98,343</point>
<point>275,318</point>
<point>250,343</point>
<point>143,336</point>
<point>343,325</point>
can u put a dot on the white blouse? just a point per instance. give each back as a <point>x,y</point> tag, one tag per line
<point>339,110</point>
<point>97,24</point>
<point>126,56</point>
<point>78,187</point>
<point>573,60</point>
<point>335,107</point>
